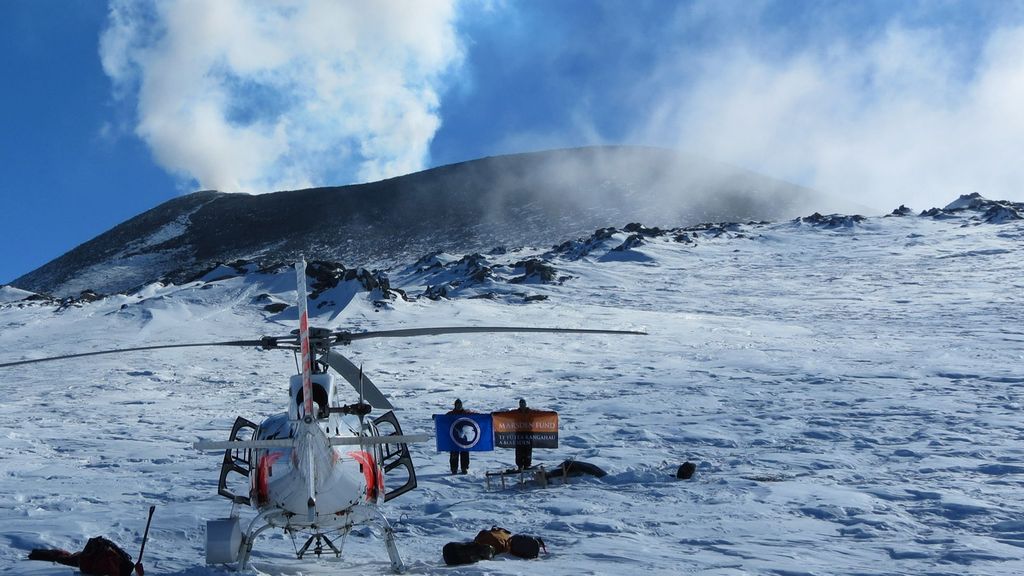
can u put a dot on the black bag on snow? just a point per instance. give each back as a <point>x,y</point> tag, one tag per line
<point>686,470</point>
<point>525,546</point>
<point>101,557</point>
<point>458,553</point>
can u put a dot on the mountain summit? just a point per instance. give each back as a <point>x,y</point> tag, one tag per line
<point>523,199</point>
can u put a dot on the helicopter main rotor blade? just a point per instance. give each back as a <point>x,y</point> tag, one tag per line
<point>350,372</point>
<point>242,343</point>
<point>290,442</point>
<point>346,337</point>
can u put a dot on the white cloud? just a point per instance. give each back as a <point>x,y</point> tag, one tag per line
<point>255,97</point>
<point>905,117</point>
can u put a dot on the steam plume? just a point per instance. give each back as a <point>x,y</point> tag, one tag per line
<point>256,97</point>
<point>904,118</point>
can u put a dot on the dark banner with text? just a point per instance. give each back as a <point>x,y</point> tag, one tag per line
<point>537,428</point>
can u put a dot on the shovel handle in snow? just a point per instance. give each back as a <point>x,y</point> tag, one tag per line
<point>145,536</point>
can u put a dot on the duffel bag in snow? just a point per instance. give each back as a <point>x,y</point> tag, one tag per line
<point>525,546</point>
<point>458,553</point>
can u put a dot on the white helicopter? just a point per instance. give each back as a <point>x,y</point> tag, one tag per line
<point>319,468</point>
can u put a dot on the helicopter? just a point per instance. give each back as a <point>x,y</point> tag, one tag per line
<point>318,469</point>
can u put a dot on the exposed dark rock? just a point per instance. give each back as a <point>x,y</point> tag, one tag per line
<point>476,267</point>
<point>428,261</point>
<point>39,298</point>
<point>436,292</point>
<point>633,241</point>
<point>972,201</point>
<point>484,296</point>
<point>686,470</point>
<point>712,229</point>
<point>978,209</point>
<point>1000,214</point>
<point>938,213</point>
<point>901,211</point>
<point>579,248</point>
<point>637,228</point>
<point>535,270</point>
<point>85,297</point>
<point>832,220</point>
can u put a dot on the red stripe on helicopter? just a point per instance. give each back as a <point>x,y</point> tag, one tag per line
<point>374,479</point>
<point>307,382</point>
<point>263,471</point>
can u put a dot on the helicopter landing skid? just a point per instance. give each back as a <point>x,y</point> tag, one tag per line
<point>277,518</point>
<point>389,542</point>
<point>260,523</point>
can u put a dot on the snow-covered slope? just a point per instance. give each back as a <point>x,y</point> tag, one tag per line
<point>535,199</point>
<point>851,390</point>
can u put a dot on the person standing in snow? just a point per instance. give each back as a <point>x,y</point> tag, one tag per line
<point>457,457</point>
<point>524,452</point>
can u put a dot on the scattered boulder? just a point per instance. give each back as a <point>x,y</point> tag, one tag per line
<point>637,228</point>
<point>535,270</point>
<point>984,210</point>
<point>1001,214</point>
<point>436,292</point>
<point>633,241</point>
<point>972,201</point>
<point>85,297</point>
<point>686,470</point>
<point>581,247</point>
<point>832,220</point>
<point>712,229</point>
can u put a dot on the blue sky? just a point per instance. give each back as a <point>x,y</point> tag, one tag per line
<point>112,109</point>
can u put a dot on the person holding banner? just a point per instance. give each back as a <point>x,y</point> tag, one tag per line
<point>524,429</point>
<point>524,451</point>
<point>457,457</point>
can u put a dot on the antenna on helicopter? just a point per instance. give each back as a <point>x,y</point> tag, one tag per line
<point>361,411</point>
<point>360,383</point>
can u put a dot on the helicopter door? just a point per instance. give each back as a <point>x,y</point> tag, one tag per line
<point>395,457</point>
<point>236,461</point>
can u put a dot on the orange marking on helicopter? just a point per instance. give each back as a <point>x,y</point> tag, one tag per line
<point>263,475</point>
<point>373,482</point>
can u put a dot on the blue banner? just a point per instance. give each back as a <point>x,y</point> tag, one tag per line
<point>464,432</point>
